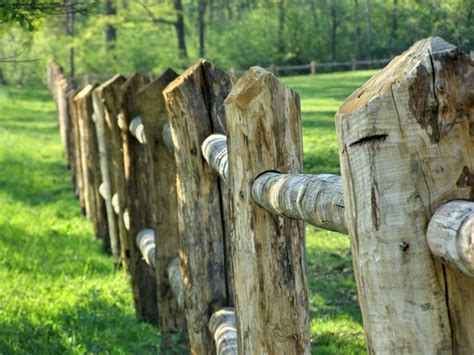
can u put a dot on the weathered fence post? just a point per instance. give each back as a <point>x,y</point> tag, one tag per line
<point>95,206</point>
<point>194,101</point>
<point>153,111</point>
<point>105,170</point>
<point>312,66</point>
<point>264,124</point>
<point>137,201</point>
<point>406,147</point>
<point>110,94</point>
<point>75,148</point>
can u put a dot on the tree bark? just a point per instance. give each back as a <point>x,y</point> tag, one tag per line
<point>405,147</point>
<point>179,26</point>
<point>111,31</point>
<point>201,21</point>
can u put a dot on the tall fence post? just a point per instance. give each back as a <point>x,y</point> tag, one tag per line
<point>406,147</point>
<point>189,100</point>
<point>110,94</point>
<point>153,111</point>
<point>106,168</point>
<point>312,66</point>
<point>95,206</point>
<point>264,124</point>
<point>137,201</point>
<point>75,148</point>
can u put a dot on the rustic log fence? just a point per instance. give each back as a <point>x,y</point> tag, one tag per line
<point>195,182</point>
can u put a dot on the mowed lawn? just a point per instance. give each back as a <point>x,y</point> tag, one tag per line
<point>58,289</point>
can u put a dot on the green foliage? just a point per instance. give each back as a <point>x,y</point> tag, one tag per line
<point>58,290</point>
<point>238,33</point>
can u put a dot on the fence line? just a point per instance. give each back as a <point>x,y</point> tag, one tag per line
<point>205,200</point>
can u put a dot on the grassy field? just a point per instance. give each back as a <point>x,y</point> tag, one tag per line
<point>58,290</point>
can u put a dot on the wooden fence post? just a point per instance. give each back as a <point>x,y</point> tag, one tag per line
<point>264,123</point>
<point>406,147</point>
<point>194,114</point>
<point>312,66</point>
<point>153,111</point>
<point>137,201</point>
<point>95,206</point>
<point>110,94</point>
<point>76,167</point>
<point>105,160</point>
<point>353,63</point>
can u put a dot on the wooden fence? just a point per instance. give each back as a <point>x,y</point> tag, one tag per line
<point>195,183</point>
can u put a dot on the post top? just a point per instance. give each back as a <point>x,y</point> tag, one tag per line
<point>396,71</point>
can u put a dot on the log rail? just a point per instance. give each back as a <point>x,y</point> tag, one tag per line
<point>221,324</point>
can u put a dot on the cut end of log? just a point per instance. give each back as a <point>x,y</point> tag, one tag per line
<point>104,191</point>
<point>214,150</point>
<point>145,240</point>
<point>137,129</point>
<point>451,235</point>
<point>126,219</point>
<point>223,327</point>
<point>115,203</point>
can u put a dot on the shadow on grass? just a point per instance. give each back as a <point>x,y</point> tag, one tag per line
<point>35,182</point>
<point>91,324</point>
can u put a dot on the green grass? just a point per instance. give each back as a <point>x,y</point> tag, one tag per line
<point>58,290</point>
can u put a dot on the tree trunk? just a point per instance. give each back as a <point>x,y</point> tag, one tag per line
<point>394,26</point>
<point>111,31</point>
<point>406,147</point>
<point>368,20</point>
<point>179,26</point>
<point>281,30</point>
<point>70,32</point>
<point>201,20</point>
<point>356,30</point>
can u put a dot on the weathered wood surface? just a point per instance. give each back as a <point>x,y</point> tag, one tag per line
<point>451,235</point>
<point>176,282</point>
<point>83,111</point>
<point>222,326</point>
<point>271,295</point>
<point>59,87</point>
<point>200,209</point>
<point>316,199</point>
<point>75,148</point>
<point>146,244</point>
<point>406,142</point>
<point>90,157</point>
<point>106,179</point>
<point>165,205</point>
<point>137,214</point>
<point>110,95</point>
